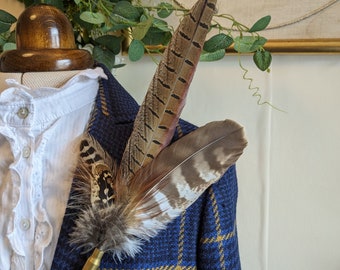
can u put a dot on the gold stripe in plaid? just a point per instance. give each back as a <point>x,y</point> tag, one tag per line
<point>103,99</point>
<point>181,240</point>
<point>219,238</point>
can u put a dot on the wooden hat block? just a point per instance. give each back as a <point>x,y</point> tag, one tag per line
<point>45,42</point>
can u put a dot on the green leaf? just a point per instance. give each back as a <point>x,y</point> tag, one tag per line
<point>92,17</point>
<point>140,30</point>
<point>262,59</point>
<point>6,17</point>
<point>11,37</point>
<point>261,24</point>
<point>9,46</point>
<point>104,56</point>
<point>217,42</point>
<point>212,56</point>
<point>155,36</point>
<point>7,37</point>
<point>243,44</point>
<point>77,20</point>
<point>112,43</point>
<point>136,50</point>
<point>164,10</point>
<point>126,10</point>
<point>4,27</point>
<point>120,20</point>
<point>258,43</point>
<point>118,27</point>
<point>161,25</point>
<point>246,44</point>
<point>6,21</point>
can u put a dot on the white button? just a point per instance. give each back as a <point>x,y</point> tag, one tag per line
<point>25,224</point>
<point>26,152</point>
<point>23,112</point>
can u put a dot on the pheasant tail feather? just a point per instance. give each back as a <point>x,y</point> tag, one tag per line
<point>159,113</point>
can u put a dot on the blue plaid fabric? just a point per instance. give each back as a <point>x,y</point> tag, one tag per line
<point>203,237</point>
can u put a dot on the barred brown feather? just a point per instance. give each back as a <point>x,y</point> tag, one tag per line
<point>158,115</point>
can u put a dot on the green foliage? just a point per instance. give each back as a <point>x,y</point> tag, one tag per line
<point>112,43</point>
<point>156,36</point>
<point>136,50</point>
<point>243,39</point>
<point>260,25</point>
<point>262,59</point>
<point>165,10</point>
<point>218,42</point>
<point>247,44</point>
<point>143,28</point>
<point>6,20</point>
<point>92,17</point>
<point>126,10</point>
<point>104,56</point>
<point>212,56</point>
<point>6,36</point>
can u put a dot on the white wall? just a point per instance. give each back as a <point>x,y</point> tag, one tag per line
<point>289,182</point>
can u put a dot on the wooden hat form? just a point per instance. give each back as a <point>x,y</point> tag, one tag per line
<point>45,42</point>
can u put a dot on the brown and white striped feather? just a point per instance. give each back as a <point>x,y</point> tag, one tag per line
<point>185,169</point>
<point>159,113</point>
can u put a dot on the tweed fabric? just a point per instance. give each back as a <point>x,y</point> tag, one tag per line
<point>204,237</point>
